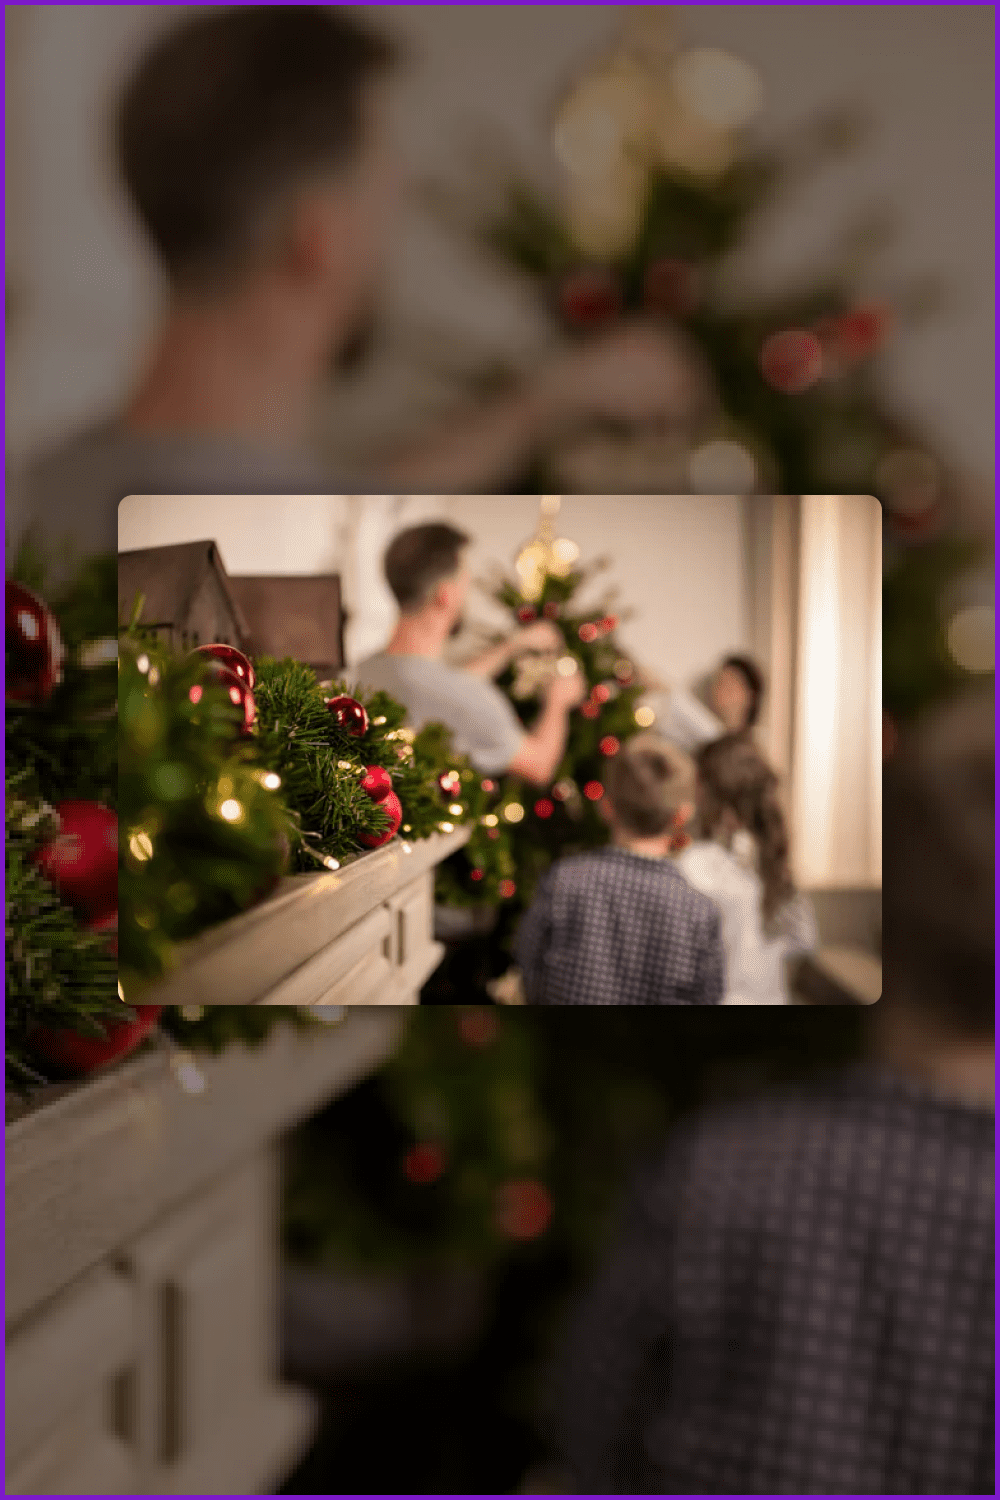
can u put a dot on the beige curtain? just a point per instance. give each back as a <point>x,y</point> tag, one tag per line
<point>816,563</point>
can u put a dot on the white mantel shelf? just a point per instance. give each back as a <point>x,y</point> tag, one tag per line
<point>361,935</point>
<point>141,1245</point>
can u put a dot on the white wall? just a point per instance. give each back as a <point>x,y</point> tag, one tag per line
<point>678,562</point>
<point>85,292</point>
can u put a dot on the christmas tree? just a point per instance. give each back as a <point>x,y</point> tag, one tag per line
<point>526,828</point>
<point>662,188</point>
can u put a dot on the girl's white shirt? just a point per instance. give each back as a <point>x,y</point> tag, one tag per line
<point>755,961</point>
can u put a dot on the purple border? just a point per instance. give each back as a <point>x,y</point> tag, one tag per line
<point>407,4</point>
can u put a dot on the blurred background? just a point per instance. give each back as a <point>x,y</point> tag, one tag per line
<point>865,132</point>
<point>424,1287</point>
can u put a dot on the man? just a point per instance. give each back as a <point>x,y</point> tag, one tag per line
<point>425,570</point>
<point>253,145</point>
<point>802,1299</point>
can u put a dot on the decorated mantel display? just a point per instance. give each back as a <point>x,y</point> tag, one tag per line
<point>151,794</point>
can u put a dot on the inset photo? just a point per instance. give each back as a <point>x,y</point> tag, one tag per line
<point>529,750</point>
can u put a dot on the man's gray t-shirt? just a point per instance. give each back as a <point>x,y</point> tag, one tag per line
<point>483,724</point>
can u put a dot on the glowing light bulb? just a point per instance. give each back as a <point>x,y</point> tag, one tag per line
<point>406,848</point>
<point>490,820</point>
<point>330,863</point>
<point>513,812</point>
<point>379,720</point>
<point>271,780</point>
<point>457,809</point>
<point>566,666</point>
<point>644,717</point>
<point>141,846</point>
<point>722,468</point>
<point>231,810</point>
<point>971,638</point>
<point>447,827</point>
<point>721,89</point>
<point>142,663</point>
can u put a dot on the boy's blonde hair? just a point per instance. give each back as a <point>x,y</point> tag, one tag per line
<point>647,784</point>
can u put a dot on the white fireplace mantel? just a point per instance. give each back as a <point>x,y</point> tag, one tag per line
<point>141,1244</point>
<point>360,935</point>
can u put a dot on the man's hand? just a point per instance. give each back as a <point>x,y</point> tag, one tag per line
<point>540,635</point>
<point>634,374</point>
<point>566,692</point>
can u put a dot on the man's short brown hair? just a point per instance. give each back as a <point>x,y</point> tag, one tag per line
<point>647,783</point>
<point>418,559</point>
<point>231,110</point>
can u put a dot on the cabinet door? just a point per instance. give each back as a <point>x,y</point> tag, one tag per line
<point>415,954</point>
<point>213,1418</point>
<point>70,1392</point>
<point>353,970</point>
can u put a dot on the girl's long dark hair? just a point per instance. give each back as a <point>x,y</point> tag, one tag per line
<point>734,777</point>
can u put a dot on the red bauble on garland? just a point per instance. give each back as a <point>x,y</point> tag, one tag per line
<point>82,860</point>
<point>71,1055</point>
<point>392,807</point>
<point>349,715</point>
<point>526,613</point>
<point>376,782</point>
<point>240,696</point>
<point>33,648</point>
<point>233,659</point>
<point>107,924</point>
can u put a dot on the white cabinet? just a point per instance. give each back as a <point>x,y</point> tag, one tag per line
<point>142,1243</point>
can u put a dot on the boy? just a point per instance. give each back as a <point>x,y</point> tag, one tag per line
<point>801,1299</point>
<point>621,926</point>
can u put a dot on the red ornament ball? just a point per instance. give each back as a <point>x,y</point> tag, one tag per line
<point>82,860</point>
<point>522,1210</point>
<point>544,808</point>
<point>349,715</point>
<point>477,1027</point>
<point>507,888</point>
<point>590,710</point>
<point>391,806</point>
<point>231,658</point>
<point>608,623</point>
<point>610,745</point>
<point>424,1163</point>
<point>601,693</point>
<point>488,785</point>
<point>376,782</point>
<point>551,610</point>
<point>492,833</point>
<point>590,298</point>
<point>593,791</point>
<point>450,783</point>
<point>476,874</point>
<point>33,650</point>
<point>240,696</point>
<point>588,633</point>
<point>107,924</point>
<point>527,612</point>
<point>71,1055</point>
<point>791,361</point>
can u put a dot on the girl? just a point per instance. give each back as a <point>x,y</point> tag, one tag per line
<point>742,863</point>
